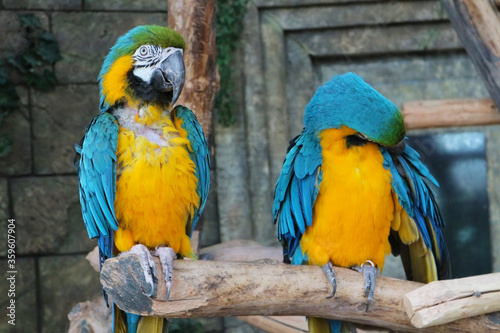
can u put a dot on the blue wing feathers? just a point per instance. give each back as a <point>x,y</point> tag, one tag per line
<point>418,199</point>
<point>200,155</point>
<point>295,192</point>
<point>296,205</point>
<point>96,168</point>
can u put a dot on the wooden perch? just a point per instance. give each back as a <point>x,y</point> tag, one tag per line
<point>478,26</point>
<point>266,287</point>
<point>442,302</point>
<point>446,113</point>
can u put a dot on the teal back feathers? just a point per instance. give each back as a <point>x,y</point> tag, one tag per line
<point>347,100</point>
<point>127,44</point>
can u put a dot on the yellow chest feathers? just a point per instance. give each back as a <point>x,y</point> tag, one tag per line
<point>353,211</point>
<point>156,183</point>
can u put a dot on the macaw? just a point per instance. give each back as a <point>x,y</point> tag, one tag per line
<point>350,190</point>
<point>143,165</point>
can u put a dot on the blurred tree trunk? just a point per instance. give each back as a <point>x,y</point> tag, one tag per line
<point>195,21</point>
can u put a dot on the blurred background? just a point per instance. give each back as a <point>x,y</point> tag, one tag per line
<point>407,50</point>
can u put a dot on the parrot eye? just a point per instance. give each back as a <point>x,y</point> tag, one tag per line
<point>143,51</point>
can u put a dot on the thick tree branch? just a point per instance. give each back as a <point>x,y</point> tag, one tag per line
<point>478,26</point>
<point>210,288</point>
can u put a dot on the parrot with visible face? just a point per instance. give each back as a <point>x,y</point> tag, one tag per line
<point>351,190</point>
<point>143,165</point>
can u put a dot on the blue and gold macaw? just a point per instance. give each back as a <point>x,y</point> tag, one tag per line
<point>351,190</point>
<point>143,165</point>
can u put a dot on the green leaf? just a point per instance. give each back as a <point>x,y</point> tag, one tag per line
<point>48,48</point>
<point>19,63</point>
<point>31,60</point>
<point>30,21</point>
<point>5,145</point>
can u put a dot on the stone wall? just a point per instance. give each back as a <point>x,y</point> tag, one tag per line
<point>406,49</point>
<point>38,184</point>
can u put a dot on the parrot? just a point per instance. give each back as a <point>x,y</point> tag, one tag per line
<point>143,165</point>
<point>351,191</point>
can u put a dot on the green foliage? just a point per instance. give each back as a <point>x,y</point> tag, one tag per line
<point>34,62</point>
<point>230,15</point>
<point>185,325</point>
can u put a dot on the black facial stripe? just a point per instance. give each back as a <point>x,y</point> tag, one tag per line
<point>354,140</point>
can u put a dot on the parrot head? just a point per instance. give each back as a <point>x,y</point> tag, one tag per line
<point>347,100</point>
<point>144,66</point>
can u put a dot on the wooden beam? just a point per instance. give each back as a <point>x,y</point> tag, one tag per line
<point>478,27</point>
<point>266,287</point>
<point>441,302</point>
<point>447,113</point>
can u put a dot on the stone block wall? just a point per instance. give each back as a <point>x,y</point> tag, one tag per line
<point>38,184</point>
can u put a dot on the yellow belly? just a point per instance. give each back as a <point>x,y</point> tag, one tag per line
<point>353,211</point>
<point>155,192</point>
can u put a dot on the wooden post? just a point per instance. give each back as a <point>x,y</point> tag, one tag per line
<point>478,27</point>
<point>266,287</point>
<point>195,21</point>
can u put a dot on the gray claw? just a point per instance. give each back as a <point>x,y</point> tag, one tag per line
<point>147,263</point>
<point>370,273</point>
<point>167,256</point>
<point>330,274</point>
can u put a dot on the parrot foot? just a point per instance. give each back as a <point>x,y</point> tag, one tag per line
<point>167,256</point>
<point>330,274</point>
<point>147,263</point>
<point>370,273</point>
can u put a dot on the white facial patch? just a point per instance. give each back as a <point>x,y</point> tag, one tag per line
<point>149,57</point>
<point>144,73</point>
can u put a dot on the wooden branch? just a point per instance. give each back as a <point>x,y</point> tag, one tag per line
<point>212,289</point>
<point>442,302</point>
<point>446,113</point>
<point>241,250</point>
<point>478,27</point>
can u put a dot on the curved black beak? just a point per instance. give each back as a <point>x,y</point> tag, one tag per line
<point>397,149</point>
<point>174,73</point>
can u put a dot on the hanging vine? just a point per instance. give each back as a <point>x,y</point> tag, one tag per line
<point>34,62</point>
<point>230,14</point>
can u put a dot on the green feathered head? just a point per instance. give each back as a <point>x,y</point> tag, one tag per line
<point>347,100</point>
<point>145,65</point>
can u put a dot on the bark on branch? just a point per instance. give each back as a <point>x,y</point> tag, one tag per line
<point>266,287</point>
<point>478,26</point>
